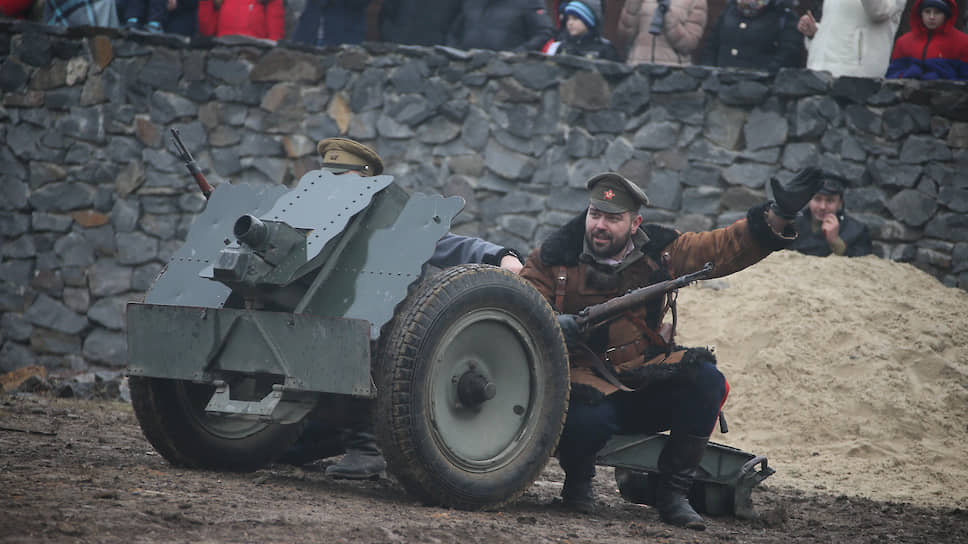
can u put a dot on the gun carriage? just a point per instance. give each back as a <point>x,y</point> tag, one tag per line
<point>286,305</point>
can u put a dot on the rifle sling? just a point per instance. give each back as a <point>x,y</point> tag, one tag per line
<point>603,370</point>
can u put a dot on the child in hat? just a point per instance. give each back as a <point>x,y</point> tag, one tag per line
<point>580,32</point>
<point>934,48</point>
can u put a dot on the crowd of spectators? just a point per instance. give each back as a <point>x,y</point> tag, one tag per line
<point>843,37</point>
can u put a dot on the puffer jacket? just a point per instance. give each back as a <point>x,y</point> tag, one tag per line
<point>660,253</point>
<point>854,36</point>
<point>927,54</point>
<point>501,25</point>
<point>684,24</point>
<point>767,41</point>
<point>242,17</point>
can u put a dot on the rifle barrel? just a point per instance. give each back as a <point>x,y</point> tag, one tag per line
<point>193,169</point>
<point>598,314</point>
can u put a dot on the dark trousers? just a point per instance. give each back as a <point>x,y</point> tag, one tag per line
<point>145,10</point>
<point>682,408</point>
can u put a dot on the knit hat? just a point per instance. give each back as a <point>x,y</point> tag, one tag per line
<point>343,154</point>
<point>940,5</point>
<point>583,12</point>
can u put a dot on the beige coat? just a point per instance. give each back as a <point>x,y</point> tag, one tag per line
<point>683,28</point>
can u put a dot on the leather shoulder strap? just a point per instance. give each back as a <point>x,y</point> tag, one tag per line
<point>561,281</point>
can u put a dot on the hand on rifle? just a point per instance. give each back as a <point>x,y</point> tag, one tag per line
<point>569,329</point>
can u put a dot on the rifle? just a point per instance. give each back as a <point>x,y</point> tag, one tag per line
<point>599,314</point>
<point>190,163</point>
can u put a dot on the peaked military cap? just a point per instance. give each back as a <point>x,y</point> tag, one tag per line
<point>343,154</point>
<point>614,193</point>
<point>832,184</point>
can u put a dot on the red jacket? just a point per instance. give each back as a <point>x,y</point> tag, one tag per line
<point>242,17</point>
<point>926,54</point>
<point>15,9</point>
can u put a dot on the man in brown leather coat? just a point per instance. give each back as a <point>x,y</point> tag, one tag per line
<point>643,382</point>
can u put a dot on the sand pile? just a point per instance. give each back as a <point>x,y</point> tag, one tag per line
<point>849,375</point>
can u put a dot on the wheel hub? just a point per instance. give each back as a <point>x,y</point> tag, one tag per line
<point>473,388</point>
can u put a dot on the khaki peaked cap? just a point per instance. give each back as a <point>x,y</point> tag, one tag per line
<point>611,192</point>
<point>344,154</point>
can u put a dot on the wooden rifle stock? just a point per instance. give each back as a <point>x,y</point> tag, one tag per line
<point>190,163</point>
<point>599,314</point>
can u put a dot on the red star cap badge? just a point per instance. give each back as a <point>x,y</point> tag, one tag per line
<point>609,194</point>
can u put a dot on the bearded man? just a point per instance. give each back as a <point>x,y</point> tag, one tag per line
<point>629,376</point>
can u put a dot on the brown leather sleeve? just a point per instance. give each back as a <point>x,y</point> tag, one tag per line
<point>542,277</point>
<point>730,249</point>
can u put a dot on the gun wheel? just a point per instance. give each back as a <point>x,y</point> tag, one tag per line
<point>474,388</point>
<point>173,419</point>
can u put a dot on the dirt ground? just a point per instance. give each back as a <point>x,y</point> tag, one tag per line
<point>850,375</point>
<point>80,471</point>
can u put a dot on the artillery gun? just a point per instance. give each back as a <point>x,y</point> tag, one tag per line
<point>286,305</point>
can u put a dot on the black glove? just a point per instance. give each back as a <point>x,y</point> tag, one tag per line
<point>569,329</point>
<point>790,199</point>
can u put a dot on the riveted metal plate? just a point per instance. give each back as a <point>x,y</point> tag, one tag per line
<point>376,269</point>
<point>324,202</point>
<point>180,283</point>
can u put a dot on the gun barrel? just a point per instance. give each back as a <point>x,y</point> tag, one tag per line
<point>251,231</point>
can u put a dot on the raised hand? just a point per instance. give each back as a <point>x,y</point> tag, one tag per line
<point>790,198</point>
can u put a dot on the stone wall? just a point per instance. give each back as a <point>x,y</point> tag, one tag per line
<point>94,202</point>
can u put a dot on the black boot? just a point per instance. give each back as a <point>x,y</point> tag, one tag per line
<point>678,464</point>
<point>362,461</point>
<point>578,495</point>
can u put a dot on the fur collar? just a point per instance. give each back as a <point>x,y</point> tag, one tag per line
<point>565,245</point>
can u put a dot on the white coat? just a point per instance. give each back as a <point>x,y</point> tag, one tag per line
<point>855,37</point>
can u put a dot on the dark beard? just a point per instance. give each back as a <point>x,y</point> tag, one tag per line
<point>610,251</point>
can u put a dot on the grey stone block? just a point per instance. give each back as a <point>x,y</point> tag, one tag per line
<point>912,207</point>
<point>765,129</point>
<point>106,347</point>
<point>49,313</point>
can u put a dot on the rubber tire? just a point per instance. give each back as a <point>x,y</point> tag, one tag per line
<point>416,453</point>
<point>172,418</point>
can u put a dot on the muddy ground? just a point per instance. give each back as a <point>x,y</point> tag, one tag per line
<point>81,471</point>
